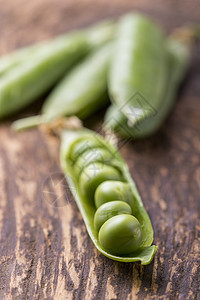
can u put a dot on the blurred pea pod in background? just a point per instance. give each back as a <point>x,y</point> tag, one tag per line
<point>140,61</point>
<point>178,62</point>
<point>138,65</point>
<point>82,92</point>
<point>35,70</point>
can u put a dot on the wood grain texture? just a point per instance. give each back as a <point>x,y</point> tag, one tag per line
<point>45,252</point>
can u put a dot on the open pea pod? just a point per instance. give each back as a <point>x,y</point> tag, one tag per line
<point>85,184</point>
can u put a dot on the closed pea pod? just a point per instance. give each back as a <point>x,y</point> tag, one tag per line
<point>10,60</point>
<point>33,77</point>
<point>29,80</point>
<point>131,235</point>
<point>138,67</point>
<point>178,58</point>
<point>84,90</point>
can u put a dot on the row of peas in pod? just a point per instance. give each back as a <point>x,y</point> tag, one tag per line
<point>107,197</point>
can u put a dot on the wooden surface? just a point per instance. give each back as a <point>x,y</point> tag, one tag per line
<point>45,252</point>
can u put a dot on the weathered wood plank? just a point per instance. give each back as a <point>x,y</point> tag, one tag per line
<point>45,251</point>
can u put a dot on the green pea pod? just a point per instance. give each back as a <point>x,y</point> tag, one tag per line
<point>32,78</point>
<point>138,68</point>
<point>83,91</point>
<point>137,225</point>
<point>178,59</point>
<point>11,60</point>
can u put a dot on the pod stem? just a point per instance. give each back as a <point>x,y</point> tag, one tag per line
<point>50,127</point>
<point>56,126</point>
<point>27,123</point>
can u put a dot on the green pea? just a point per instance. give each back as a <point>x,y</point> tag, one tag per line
<point>83,145</point>
<point>121,234</point>
<point>91,156</point>
<point>109,210</point>
<point>111,191</point>
<point>93,175</point>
